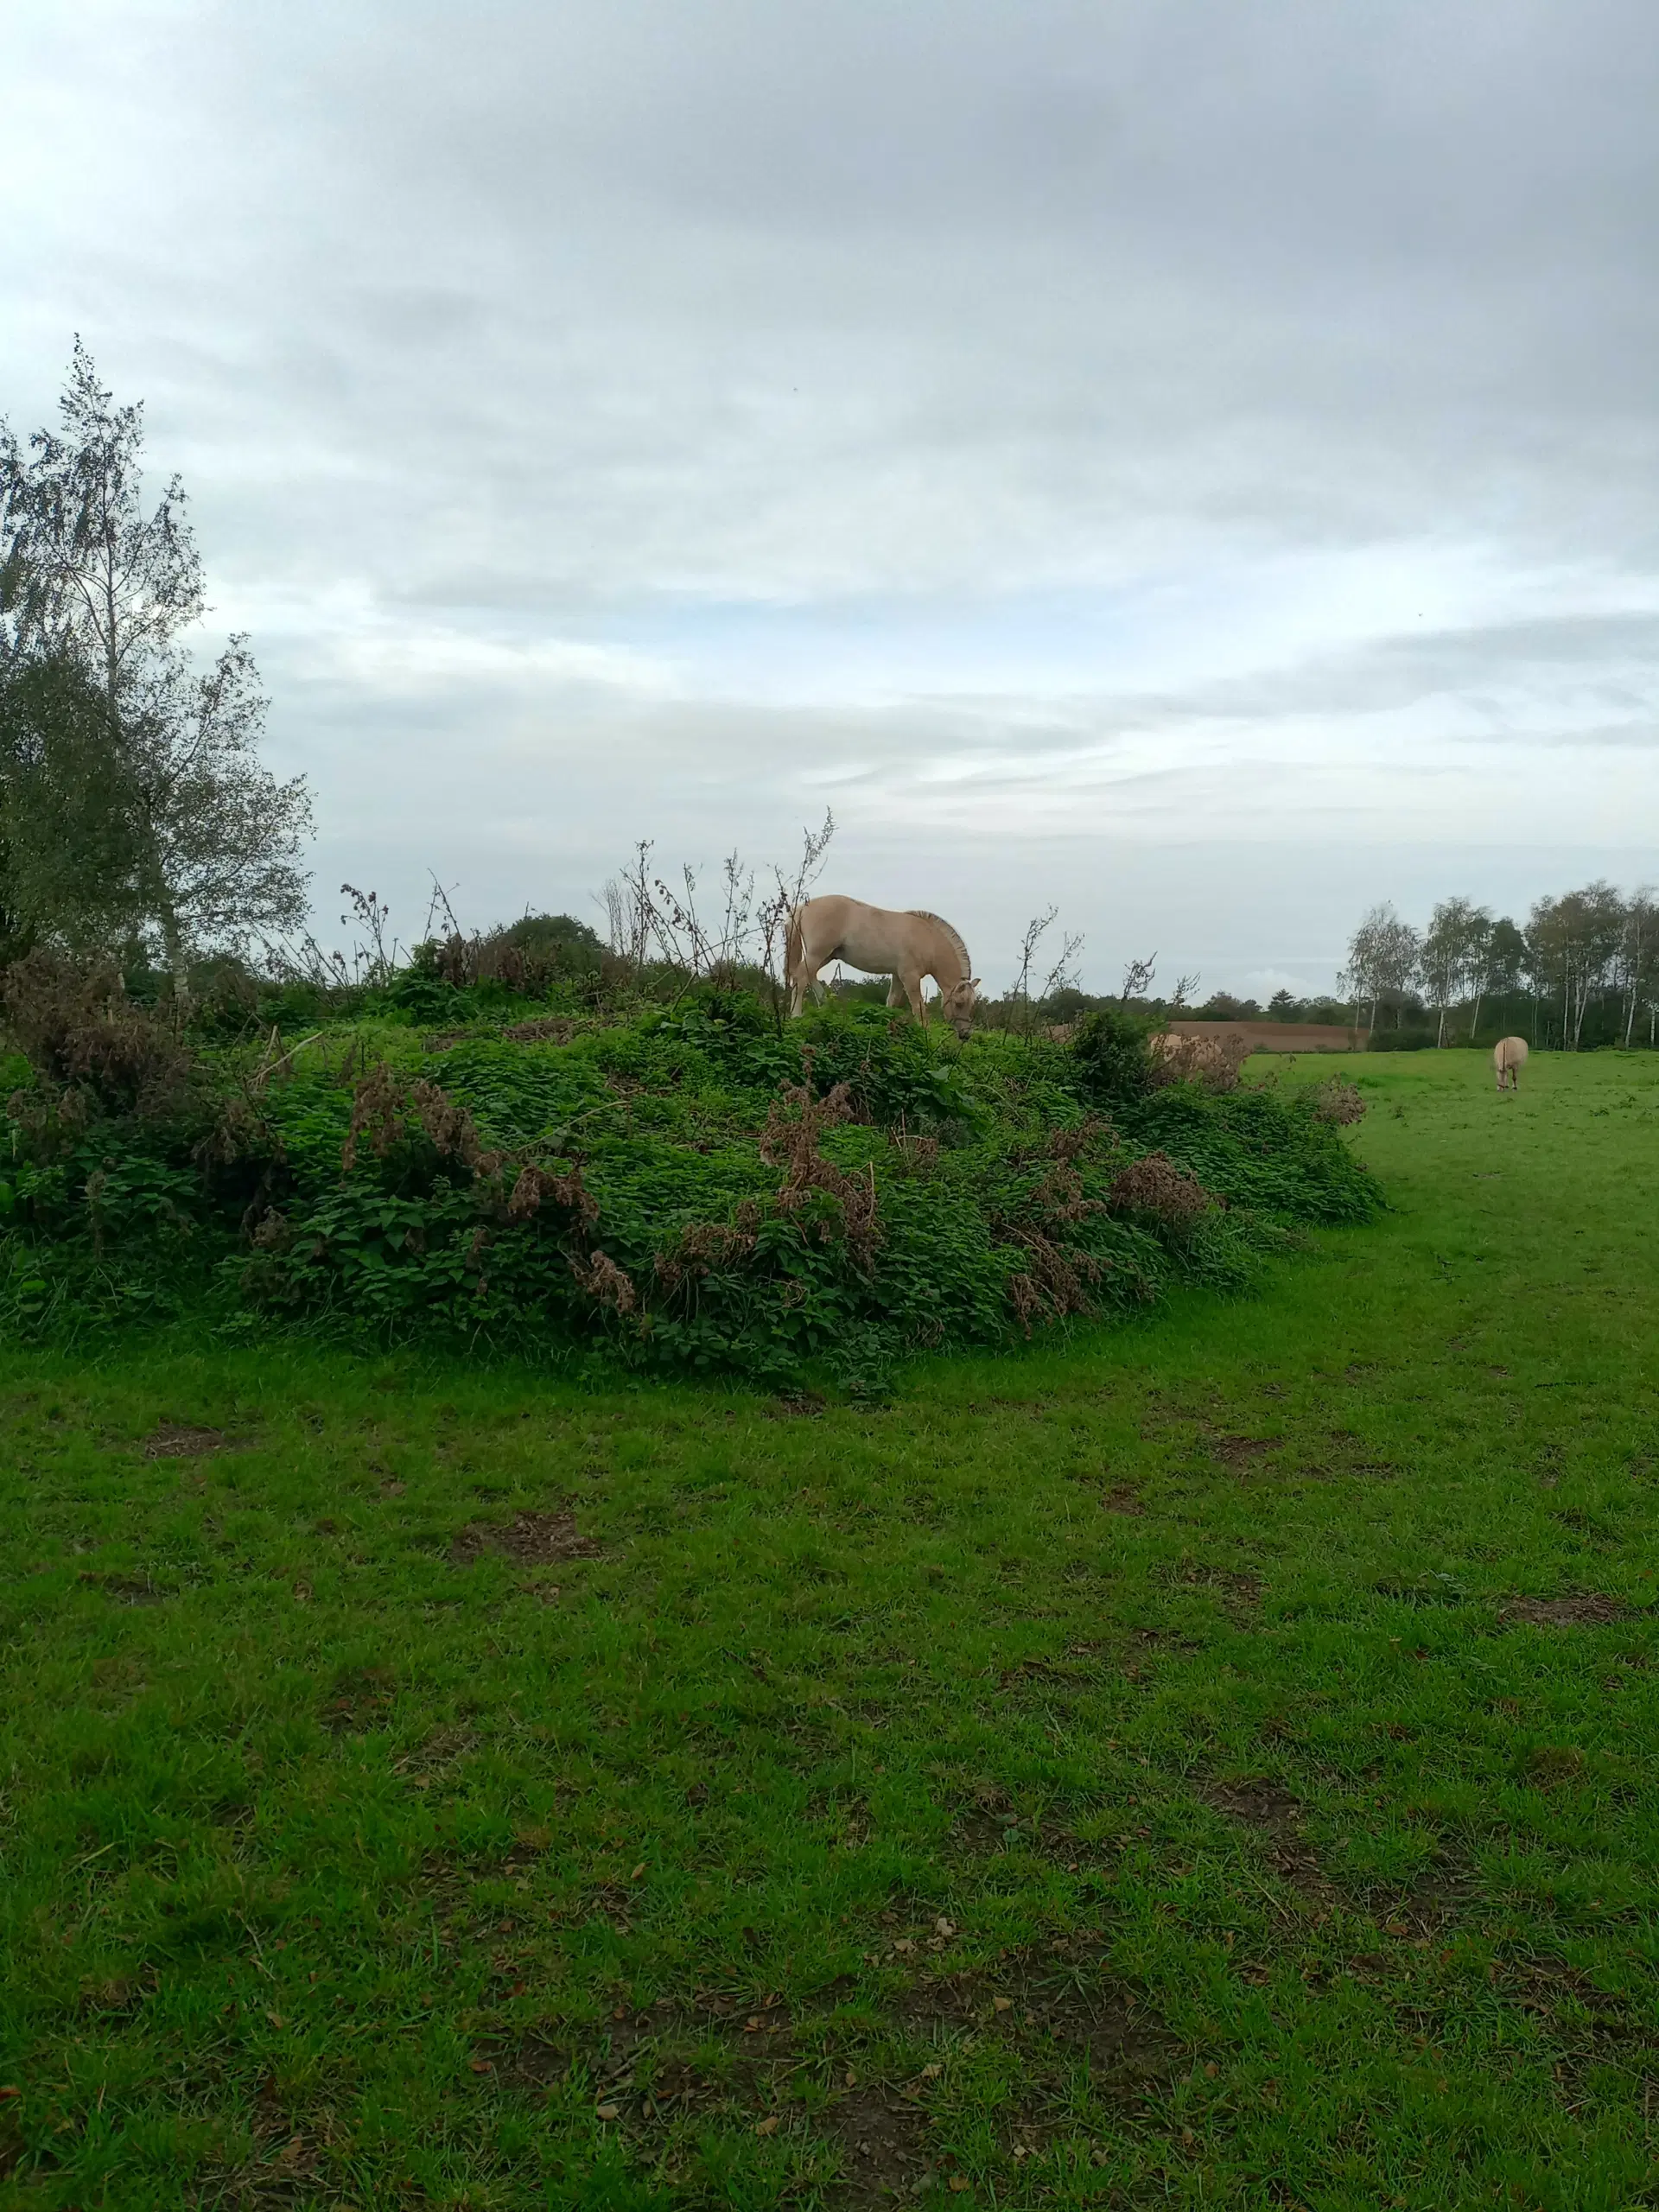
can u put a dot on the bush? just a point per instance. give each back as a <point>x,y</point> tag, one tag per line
<point>1214,1063</point>
<point>1155,1186</point>
<point>1336,1101</point>
<point>1113,1053</point>
<point>690,1188</point>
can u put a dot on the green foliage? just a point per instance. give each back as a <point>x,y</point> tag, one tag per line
<point>578,945</point>
<point>1209,1765</point>
<point>1112,1049</point>
<point>691,1188</point>
<point>70,853</point>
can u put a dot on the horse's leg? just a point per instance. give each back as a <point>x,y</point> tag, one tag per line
<point>896,990</point>
<point>913,993</point>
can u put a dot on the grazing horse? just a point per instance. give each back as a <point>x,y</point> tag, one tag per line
<point>1509,1058</point>
<point>905,946</point>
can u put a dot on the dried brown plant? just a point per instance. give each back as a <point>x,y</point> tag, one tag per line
<point>1157,1187</point>
<point>79,1029</point>
<point>1337,1101</point>
<point>1212,1062</point>
<point>796,1122</point>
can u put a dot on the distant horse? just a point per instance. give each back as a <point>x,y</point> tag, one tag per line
<point>1509,1058</point>
<point>905,946</point>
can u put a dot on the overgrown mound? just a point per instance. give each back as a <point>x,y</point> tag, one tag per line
<point>696,1186</point>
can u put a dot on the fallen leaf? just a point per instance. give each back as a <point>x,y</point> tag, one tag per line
<point>931,2073</point>
<point>943,1927</point>
<point>275,2020</point>
<point>5,2092</point>
<point>960,2182</point>
<point>605,2112</point>
<point>480,2065</point>
<point>1003,2004</point>
<point>768,2126</point>
<point>903,1947</point>
<point>852,2079</point>
<point>638,1872</point>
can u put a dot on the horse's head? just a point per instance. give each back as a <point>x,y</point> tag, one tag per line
<point>958,1004</point>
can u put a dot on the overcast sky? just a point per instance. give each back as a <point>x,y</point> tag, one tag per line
<point>1198,464</point>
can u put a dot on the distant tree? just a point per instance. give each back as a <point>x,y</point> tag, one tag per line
<point>88,575</point>
<point>1638,955</point>
<point>1383,957</point>
<point>578,945</point>
<point>1283,1008</point>
<point>1572,946</point>
<point>1450,958</point>
<point>1505,969</point>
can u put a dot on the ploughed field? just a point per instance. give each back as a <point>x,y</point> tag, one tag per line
<point>1207,1760</point>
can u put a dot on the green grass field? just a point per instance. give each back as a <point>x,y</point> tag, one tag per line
<point>1204,1763</point>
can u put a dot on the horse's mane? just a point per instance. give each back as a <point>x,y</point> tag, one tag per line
<point>955,936</point>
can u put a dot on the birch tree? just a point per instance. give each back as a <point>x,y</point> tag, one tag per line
<point>1451,958</point>
<point>1573,945</point>
<point>1638,955</point>
<point>1382,956</point>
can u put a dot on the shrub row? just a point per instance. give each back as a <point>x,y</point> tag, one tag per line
<point>693,1188</point>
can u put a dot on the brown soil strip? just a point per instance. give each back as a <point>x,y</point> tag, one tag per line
<point>1586,1609</point>
<point>535,1539</point>
<point>1275,1815</point>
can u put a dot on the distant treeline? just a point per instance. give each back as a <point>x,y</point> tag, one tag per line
<point>1581,971</point>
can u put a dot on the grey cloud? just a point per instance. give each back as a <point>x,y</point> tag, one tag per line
<point>627,410</point>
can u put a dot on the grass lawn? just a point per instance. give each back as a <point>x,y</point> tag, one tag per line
<point>1205,1764</point>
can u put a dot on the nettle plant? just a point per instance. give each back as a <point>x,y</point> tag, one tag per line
<point>680,1187</point>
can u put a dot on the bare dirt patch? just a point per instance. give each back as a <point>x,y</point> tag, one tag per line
<point>796,1405</point>
<point>1241,1453</point>
<point>177,1440</point>
<point>361,1700</point>
<point>989,1825</point>
<point>125,1589</point>
<point>1060,2004</point>
<point>1276,1816</point>
<point>533,1539</point>
<point>1556,1991</point>
<point>883,2138</point>
<point>1584,1608</point>
<point>1341,1452</point>
<point>1123,1500</point>
<point>1237,1587</point>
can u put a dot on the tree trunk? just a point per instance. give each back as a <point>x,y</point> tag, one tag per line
<point>177,956</point>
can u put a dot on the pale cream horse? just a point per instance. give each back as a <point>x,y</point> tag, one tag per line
<point>905,946</point>
<point>1509,1058</point>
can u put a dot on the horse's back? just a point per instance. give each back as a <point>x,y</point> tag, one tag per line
<point>1509,1053</point>
<point>881,940</point>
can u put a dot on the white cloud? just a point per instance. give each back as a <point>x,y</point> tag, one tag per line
<point>1079,447</point>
